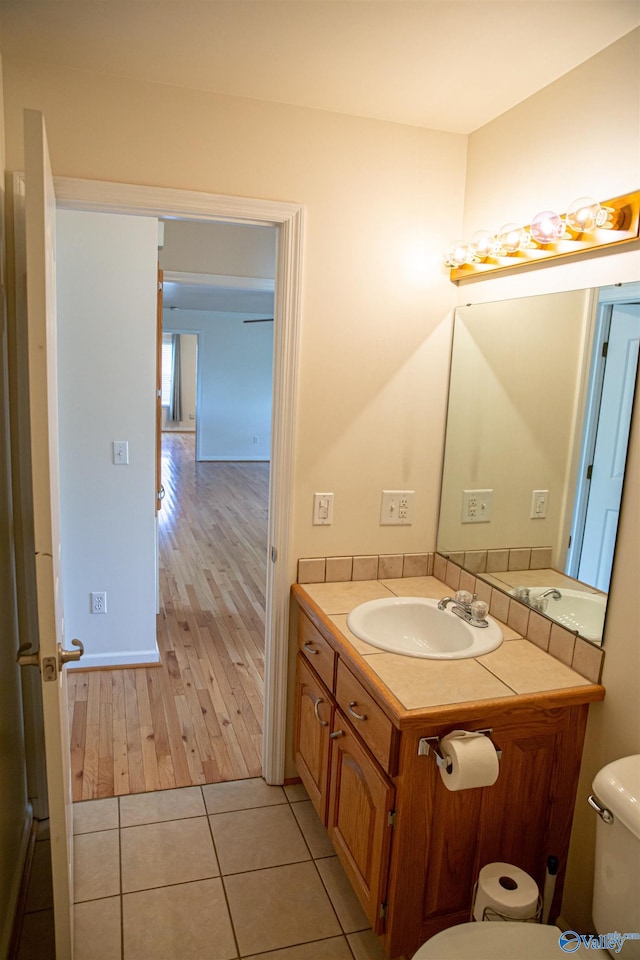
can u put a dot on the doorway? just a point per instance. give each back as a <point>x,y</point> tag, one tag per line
<point>287,218</point>
<point>609,405</point>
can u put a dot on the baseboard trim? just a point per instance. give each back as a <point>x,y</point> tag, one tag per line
<point>107,661</point>
<point>18,892</point>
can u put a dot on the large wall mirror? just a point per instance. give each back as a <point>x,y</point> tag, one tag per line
<point>540,405</point>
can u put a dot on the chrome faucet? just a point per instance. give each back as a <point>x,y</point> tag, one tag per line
<point>467,607</point>
<point>444,603</point>
<point>553,593</point>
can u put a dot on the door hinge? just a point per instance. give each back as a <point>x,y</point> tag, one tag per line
<point>382,912</point>
<point>391,818</point>
<point>605,349</point>
<point>589,471</point>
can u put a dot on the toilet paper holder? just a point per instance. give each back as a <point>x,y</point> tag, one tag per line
<point>430,746</point>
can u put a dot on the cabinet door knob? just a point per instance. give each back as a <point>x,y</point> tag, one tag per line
<point>310,649</point>
<point>358,716</point>
<point>316,704</point>
<point>336,734</point>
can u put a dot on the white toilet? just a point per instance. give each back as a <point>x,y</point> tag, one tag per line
<point>616,893</point>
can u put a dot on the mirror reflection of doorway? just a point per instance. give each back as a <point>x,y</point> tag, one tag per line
<point>606,437</point>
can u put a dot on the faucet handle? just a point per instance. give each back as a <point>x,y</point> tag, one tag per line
<point>464,598</point>
<point>479,610</point>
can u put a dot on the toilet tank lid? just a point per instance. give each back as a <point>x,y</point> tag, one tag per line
<point>617,786</point>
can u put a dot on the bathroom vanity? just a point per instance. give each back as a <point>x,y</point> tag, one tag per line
<point>411,848</point>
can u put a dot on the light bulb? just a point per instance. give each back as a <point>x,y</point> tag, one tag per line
<point>546,227</point>
<point>483,244</point>
<point>512,238</point>
<point>459,254</point>
<point>585,214</point>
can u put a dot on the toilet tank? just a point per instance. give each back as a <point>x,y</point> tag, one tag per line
<point>616,899</point>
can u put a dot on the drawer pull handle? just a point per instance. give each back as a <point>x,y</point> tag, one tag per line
<point>316,704</point>
<point>358,716</point>
<point>310,649</point>
<point>338,733</point>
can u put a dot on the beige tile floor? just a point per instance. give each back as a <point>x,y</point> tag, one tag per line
<point>223,871</point>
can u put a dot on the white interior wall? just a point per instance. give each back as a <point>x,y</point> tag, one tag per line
<point>188,380</point>
<point>106,267</point>
<point>235,383</point>
<point>536,157</point>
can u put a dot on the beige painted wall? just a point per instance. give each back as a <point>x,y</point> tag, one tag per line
<point>381,203</point>
<point>534,157</point>
<point>13,789</point>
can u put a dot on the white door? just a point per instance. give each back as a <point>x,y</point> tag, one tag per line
<point>41,323</point>
<point>610,453</point>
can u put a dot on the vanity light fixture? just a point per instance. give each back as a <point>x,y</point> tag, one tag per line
<point>587,225</point>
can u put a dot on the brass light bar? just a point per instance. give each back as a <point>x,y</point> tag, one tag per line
<point>622,226</point>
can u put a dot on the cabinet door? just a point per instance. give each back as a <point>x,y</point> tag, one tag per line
<point>361,801</point>
<point>313,718</point>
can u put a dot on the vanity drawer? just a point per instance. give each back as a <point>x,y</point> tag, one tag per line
<point>315,648</point>
<point>371,723</point>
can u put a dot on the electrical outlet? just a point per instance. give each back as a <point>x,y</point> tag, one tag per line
<point>477,506</point>
<point>397,507</point>
<point>99,602</point>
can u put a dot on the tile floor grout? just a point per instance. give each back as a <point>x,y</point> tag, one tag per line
<point>287,801</point>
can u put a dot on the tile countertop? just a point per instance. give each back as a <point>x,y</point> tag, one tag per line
<point>517,668</point>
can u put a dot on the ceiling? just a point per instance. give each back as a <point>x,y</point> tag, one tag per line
<point>447,65</point>
<point>246,295</point>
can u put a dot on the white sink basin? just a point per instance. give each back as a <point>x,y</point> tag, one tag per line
<point>414,626</point>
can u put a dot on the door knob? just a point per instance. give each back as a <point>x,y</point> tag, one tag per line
<point>66,656</point>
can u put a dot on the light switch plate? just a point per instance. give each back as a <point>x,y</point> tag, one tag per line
<point>121,452</point>
<point>477,506</point>
<point>322,509</point>
<point>396,507</point>
<point>539,501</point>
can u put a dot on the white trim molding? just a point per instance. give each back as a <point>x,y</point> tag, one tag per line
<point>220,282</point>
<point>106,197</point>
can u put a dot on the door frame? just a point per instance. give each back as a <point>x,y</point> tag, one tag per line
<point>99,196</point>
<point>608,297</point>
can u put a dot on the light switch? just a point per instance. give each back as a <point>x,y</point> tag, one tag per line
<point>121,452</point>
<point>539,501</point>
<point>322,509</point>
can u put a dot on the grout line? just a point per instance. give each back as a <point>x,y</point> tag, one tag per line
<point>121,897</point>
<point>224,889</point>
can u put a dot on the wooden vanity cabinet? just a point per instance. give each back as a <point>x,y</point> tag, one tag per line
<point>313,723</point>
<point>411,848</point>
<point>360,821</point>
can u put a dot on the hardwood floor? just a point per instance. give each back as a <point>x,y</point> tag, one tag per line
<point>198,717</point>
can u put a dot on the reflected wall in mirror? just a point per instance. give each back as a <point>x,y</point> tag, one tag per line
<point>540,402</point>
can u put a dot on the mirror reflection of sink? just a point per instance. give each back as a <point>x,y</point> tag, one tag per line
<point>576,610</point>
<point>414,627</point>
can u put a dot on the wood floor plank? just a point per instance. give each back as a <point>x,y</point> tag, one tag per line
<point>198,717</point>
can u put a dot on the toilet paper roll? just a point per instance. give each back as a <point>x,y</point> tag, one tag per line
<point>472,759</point>
<point>506,889</point>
